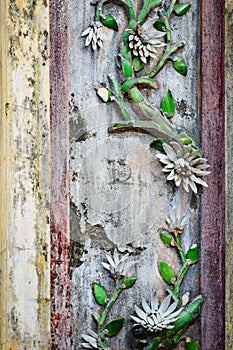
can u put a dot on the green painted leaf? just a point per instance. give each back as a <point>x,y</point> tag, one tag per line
<point>137,64</point>
<point>110,22</point>
<point>154,2</point>
<point>182,9</point>
<point>129,282</point>
<point>167,273</point>
<point>166,238</point>
<point>100,293</point>
<point>191,345</point>
<point>192,254</point>
<point>157,144</point>
<point>168,105</point>
<point>127,68</point>
<point>96,317</point>
<point>159,25</point>
<point>180,65</point>
<point>114,327</point>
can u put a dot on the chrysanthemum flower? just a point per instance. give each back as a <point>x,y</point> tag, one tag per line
<point>94,35</point>
<point>145,40</point>
<point>184,166</point>
<point>116,266</point>
<point>155,318</point>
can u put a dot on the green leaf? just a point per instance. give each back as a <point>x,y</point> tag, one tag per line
<point>129,282</point>
<point>100,293</point>
<point>180,65</point>
<point>127,68</point>
<point>114,327</point>
<point>154,2</point>
<point>182,9</point>
<point>137,64</point>
<point>168,105</point>
<point>192,254</point>
<point>166,238</point>
<point>159,25</point>
<point>167,273</point>
<point>110,22</point>
<point>96,317</point>
<point>157,144</point>
<point>191,345</point>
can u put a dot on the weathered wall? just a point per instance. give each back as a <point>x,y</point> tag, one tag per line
<point>119,197</point>
<point>25,260</point>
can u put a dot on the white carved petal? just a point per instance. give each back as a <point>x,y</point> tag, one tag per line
<point>116,257</point>
<point>199,181</point>
<point>171,175</point>
<point>138,320</point>
<point>193,186</point>
<point>86,31</point>
<point>145,306</point>
<point>100,43</point>
<point>154,302</point>
<point>178,149</point>
<point>110,260</point>
<point>107,266</point>
<point>152,55</point>
<point>128,266</point>
<point>178,181</point>
<point>143,59</point>
<point>135,52</point>
<point>170,152</point>
<point>90,340</point>
<point>89,38</point>
<point>93,334</point>
<point>150,321</point>
<point>171,308</point>
<point>174,314</point>
<point>140,313</point>
<point>87,345</point>
<point>163,307</point>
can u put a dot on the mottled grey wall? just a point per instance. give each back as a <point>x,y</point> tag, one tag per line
<point>119,195</point>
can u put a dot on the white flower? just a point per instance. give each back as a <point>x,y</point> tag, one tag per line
<point>118,267</point>
<point>185,166</point>
<point>156,318</point>
<point>93,341</point>
<point>94,35</point>
<point>144,40</point>
<point>176,221</point>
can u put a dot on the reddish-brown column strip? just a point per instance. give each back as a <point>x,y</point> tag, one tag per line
<point>212,226</point>
<point>59,215</point>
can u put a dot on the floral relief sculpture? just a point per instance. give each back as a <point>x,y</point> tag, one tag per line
<point>147,46</point>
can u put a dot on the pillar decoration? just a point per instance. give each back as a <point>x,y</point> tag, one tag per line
<point>147,46</point>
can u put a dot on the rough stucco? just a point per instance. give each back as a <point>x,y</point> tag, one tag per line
<point>119,196</point>
<point>25,261</point>
<point>229,171</point>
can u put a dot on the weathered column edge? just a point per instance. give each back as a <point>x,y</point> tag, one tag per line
<point>59,195</point>
<point>229,169</point>
<point>213,199</point>
<point>3,181</point>
<point>24,186</point>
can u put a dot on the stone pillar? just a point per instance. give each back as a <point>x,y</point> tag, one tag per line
<point>24,190</point>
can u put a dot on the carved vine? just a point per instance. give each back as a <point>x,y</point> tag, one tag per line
<point>147,46</point>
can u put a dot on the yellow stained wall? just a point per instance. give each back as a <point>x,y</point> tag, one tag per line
<point>24,181</point>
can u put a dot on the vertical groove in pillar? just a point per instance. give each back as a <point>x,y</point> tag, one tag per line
<point>213,199</point>
<point>59,201</point>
